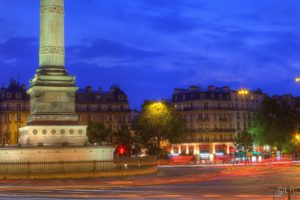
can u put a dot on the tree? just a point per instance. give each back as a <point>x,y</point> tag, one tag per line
<point>157,122</point>
<point>244,142</point>
<point>98,133</point>
<point>126,138</point>
<point>123,136</point>
<point>274,124</point>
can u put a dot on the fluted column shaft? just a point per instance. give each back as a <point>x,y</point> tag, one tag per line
<point>52,51</point>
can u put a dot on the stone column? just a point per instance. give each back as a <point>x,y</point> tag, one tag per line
<point>52,53</point>
<point>179,149</point>
<point>212,148</point>
<point>227,148</point>
<point>195,149</point>
<point>187,149</point>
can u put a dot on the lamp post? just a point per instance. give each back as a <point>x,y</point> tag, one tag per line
<point>243,92</point>
<point>158,113</point>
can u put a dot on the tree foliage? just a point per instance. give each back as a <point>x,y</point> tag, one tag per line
<point>274,124</point>
<point>244,141</point>
<point>98,133</point>
<point>126,138</point>
<point>157,122</point>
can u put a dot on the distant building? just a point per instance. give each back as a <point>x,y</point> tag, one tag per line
<point>109,107</point>
<point>14,110</point>
<point>286,99</point>
<point>214,116</point>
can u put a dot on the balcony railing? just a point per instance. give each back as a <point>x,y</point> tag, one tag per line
<point>100,110</point>
<point>194,140</point>
<point>212,130</point>
<point>14,109</point>
<point>214,108</point>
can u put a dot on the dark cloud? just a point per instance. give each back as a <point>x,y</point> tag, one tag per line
<point>104,48</point>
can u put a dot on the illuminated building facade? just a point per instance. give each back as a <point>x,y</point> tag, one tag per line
<point>108,107</point>
<point>213,116</point>
<point>14,110</point>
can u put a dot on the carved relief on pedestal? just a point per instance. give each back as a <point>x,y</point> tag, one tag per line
<point>52,50</point>
<point>52,9</point>
<point>71,96</point>
<point>34,99</point>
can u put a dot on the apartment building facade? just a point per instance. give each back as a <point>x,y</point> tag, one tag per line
<point>214,116</point>
<point>108,107</point>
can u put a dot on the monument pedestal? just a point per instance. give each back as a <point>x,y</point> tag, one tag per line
<point>68,135</point>
<point>53,133</point>
<point>56,154</point>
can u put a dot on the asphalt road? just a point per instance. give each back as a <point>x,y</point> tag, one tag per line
<point>168,183</point>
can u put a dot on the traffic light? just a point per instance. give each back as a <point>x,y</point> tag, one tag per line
<point>121,150</point>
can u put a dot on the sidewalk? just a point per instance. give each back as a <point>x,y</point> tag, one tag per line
<point>227,165</point>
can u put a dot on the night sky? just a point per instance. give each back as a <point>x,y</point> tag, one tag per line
<point>150,47</point>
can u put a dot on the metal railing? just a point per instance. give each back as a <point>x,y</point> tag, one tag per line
<point>78,109</point>
<point>19,109</point>
<point>76,166</point>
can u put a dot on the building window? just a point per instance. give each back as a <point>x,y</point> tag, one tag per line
<point>7,117</point>
<point>18,95</point>
<point>199,116</point>
<point>175,98</point>
<point>206,139</point>
<point>206,115</point>
<point>121,97</point>
<point>202,96</point>
<point>206,105</point>
<point>8,95</point>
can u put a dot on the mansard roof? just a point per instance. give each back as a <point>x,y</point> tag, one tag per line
<point>88,95</point>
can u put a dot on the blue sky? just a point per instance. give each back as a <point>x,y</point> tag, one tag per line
<point>150,47</point>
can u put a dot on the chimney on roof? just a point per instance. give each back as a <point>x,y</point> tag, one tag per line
<point>89,89</point>
<point>211,88</point>
<point>226,88</point>
<point>194,88</point>
<point>178,90</point>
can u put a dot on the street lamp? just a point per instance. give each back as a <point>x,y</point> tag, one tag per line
<point>243,91</point>
<point>297,79</point>
<point>297,137</point>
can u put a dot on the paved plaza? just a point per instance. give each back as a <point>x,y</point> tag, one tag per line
<point>256,182</point>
